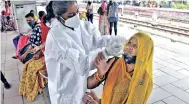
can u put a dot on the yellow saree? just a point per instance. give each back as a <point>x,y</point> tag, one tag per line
<point>32,83</point>
<point>120,87</point>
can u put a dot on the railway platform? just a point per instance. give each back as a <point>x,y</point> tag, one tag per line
<point>171,70</point>
<point>170,63</point>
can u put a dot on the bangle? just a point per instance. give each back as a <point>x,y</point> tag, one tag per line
<point>97,77</point>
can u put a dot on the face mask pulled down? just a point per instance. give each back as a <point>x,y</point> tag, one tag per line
<point>129,59</point>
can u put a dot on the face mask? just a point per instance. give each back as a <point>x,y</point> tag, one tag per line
<point>31,24</point>
<point>72,22</point>
<point>129,59</point>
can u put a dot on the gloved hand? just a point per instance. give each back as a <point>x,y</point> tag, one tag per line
<point>114,49</point>
<point>119,39</point>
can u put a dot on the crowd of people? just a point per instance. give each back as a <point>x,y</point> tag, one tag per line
<point>108,16</point>
<point>67,49</point>
<point>32,83</point>
<point>6,23</point>
<point>30,51</point>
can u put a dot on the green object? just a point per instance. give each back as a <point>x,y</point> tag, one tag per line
<point>100,11</point>
<point>179,6</point>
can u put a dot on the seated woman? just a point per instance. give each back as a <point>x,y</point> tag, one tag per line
<point>25,53</point>
<point>44,28</point>
<point>10,26</point>
<point>128,79</point>
<point>32,83</point>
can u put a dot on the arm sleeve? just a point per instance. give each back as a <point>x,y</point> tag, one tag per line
<point>69,57</point>
<point>99,41</point>
<point>36,36</point>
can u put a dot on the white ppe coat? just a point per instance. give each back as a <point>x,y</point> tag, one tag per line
<point>69,57</point>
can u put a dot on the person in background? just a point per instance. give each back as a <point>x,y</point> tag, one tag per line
<point>128,79</point>
<point>44,27</point>
<point>7,7</point>
<point>44,32</point>
<point>35,36</point>
<point>4,80</point>
<point>112,11</point>
<point>10,9</point>
<point>90,11</point>
<point>3,21</point>
<point>41,14</point>
<point>149,3</point>
<point>32,82</point>
<point>10,26</point>
<point>103,22</point>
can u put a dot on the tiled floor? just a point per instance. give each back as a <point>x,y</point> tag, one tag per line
<point>173,100</point>
<point>171,73</point>
<point>184,71</point>
<point>158,91</point>
<point>181,94</point>
<point>159,102</point>
<point>182,84</point>
<point>165,79</point>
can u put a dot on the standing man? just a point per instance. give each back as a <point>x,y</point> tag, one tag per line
<point>113,15</point>
<point>90,11</point>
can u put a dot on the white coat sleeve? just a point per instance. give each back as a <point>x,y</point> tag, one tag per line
<point>100,41</point>
<point>69,57</point>
<point>73,59</point>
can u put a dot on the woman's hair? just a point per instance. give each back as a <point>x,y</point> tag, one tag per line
<point>8,17</point>
<point>57,8</point>
<point>29,15</point>
<point>31,11</point>
<point>50,13</point>
<point>110,2</point>
<point>45,20</point>
<point>41,14</point>
<point>89,3</point>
